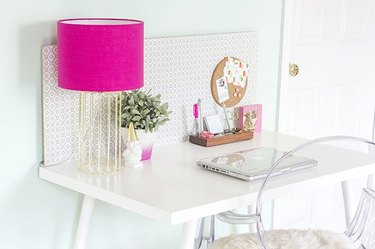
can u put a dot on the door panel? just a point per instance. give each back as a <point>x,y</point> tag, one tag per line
<point>304,112</point>
<point>309,24</point>
<point>333,43</point>
<point>354,20</point>
<point>347,111</point>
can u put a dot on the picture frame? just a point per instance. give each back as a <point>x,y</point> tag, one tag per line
<point>250,118</point>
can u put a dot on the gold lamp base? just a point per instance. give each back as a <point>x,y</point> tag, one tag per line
<point>99,143</point>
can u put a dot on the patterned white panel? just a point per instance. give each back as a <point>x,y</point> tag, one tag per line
<point>179,68</point>
<point>60,113</point>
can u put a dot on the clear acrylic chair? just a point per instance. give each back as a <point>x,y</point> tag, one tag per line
<point>205,233</point>
<point>359,234</point>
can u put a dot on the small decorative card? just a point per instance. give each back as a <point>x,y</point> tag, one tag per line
<point>213,124</point>
<point>235,71</point>
<point>222,89</point>
<point>250,118</point>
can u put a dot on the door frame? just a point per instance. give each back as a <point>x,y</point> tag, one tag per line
<point>281,121</point>
<point>281,125</point>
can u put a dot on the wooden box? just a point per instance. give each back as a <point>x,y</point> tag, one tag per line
<point>218,140</point>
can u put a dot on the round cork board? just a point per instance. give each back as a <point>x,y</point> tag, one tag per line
<point>236,93</point>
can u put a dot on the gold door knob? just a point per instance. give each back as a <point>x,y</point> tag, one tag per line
<point>293,70</point>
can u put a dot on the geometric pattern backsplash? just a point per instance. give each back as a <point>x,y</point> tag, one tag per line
<point>179,68</point>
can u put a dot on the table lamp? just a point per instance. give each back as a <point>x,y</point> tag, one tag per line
<point>100,57</point>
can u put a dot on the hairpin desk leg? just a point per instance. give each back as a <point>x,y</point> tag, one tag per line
<point>349,206</point>
<point>87,209</point>
<point>188,234</point>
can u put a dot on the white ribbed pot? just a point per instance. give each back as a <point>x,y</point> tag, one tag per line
<point>146,139</point>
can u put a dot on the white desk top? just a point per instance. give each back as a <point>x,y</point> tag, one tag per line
<point>171,189</point>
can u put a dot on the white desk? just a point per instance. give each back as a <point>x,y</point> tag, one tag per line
<point>171,189</point>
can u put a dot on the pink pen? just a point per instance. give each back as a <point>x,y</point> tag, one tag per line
<point>196,117</point>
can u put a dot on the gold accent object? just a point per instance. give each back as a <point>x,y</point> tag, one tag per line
<point>132,136</point>
<point>293,70</point>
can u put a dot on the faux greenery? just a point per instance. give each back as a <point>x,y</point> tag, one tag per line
<point>144,110</point>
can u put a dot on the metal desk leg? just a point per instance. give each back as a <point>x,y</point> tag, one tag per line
<point>188,234</point>
<point>240,228</point>
<point>347,191</point>
<point>87,209</point>
<point>370,181</point>
<point>251,209</point>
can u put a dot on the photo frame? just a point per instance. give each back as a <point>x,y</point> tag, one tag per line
<point>250,118</point>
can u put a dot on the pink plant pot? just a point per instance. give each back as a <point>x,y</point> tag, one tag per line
<point>146,139</point>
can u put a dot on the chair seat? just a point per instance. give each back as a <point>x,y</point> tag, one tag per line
<point>287,239</point>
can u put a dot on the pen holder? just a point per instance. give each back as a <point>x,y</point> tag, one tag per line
<point>218,140</point>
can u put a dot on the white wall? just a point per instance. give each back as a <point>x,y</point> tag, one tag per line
<point>40,215</point>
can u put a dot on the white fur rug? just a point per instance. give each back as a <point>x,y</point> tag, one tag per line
<point>287,239</point>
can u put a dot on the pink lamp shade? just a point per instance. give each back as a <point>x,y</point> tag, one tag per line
<point>100,54</point>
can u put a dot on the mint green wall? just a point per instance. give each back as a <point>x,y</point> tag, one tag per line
<point>36,214</point>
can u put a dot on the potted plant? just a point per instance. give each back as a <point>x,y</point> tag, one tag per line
<point>147,113</point>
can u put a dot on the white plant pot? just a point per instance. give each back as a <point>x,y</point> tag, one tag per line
<point>146,139</point>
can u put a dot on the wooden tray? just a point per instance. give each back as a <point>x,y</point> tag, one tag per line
<point>231,138</point>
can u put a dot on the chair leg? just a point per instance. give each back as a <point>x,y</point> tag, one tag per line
<point>211,236</point>
<point>347,192</point>
<point>206,232</point>
<point>199,238</point>
<point>87,209</point>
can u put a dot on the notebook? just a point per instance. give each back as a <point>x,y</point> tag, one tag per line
<point>255,163</point>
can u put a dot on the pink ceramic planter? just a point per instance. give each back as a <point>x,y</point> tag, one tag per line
<point>146,139</point>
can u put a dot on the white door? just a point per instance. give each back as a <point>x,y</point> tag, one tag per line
<point>333,44</point>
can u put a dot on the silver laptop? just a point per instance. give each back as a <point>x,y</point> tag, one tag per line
<point>255,163</point>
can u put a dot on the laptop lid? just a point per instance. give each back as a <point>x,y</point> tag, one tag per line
<point>255,163</point>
